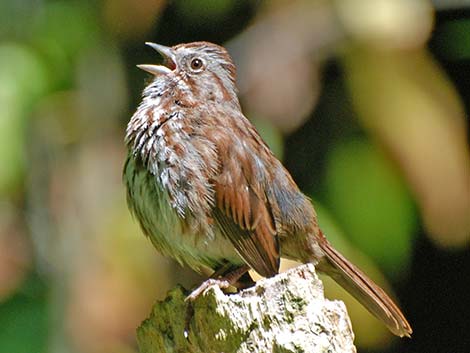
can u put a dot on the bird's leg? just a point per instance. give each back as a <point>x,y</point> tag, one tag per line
<point>245,281</point>
<point>220,278</point>
<point>222,282</point>
<point>226,267</point>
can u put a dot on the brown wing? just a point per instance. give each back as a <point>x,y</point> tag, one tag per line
<point>242,210</point>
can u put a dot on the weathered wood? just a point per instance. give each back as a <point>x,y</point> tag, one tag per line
<point>284,314</point>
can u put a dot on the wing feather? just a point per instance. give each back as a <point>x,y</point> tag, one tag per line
<point>243,211</point>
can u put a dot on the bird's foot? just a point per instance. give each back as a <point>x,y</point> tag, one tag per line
<point>222,282</point>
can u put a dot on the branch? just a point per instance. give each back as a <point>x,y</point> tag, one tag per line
<point>284,314</point>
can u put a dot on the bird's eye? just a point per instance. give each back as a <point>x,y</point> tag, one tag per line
<point>196,64</point>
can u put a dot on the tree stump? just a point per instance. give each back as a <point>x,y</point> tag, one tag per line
<point>284,314</point>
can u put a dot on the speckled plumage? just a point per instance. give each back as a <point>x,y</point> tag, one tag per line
<point>168,183</point>
<point>207,190</point>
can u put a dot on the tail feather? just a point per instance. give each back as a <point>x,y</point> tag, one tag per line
<point>374,299</point>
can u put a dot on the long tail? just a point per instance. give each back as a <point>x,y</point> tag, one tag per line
<point>364,290</point>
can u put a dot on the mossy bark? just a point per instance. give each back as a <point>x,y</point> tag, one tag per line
<point>284,314</point>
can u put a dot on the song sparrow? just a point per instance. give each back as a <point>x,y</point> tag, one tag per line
<point>208,191</point>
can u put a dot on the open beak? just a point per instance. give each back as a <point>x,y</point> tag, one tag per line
<point>169,63</point>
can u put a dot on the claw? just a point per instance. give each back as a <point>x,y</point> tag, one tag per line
<point>221,283</point>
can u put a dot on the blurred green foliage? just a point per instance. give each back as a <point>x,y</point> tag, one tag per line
<point>25,319</point>
<point>197,11</point>
<point>23,80</point>
<point>453,38</point>
<point>370,200</point>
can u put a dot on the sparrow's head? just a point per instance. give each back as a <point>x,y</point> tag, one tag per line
<point>201,69</point>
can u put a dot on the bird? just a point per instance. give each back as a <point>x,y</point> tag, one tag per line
<point>208,191</point>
